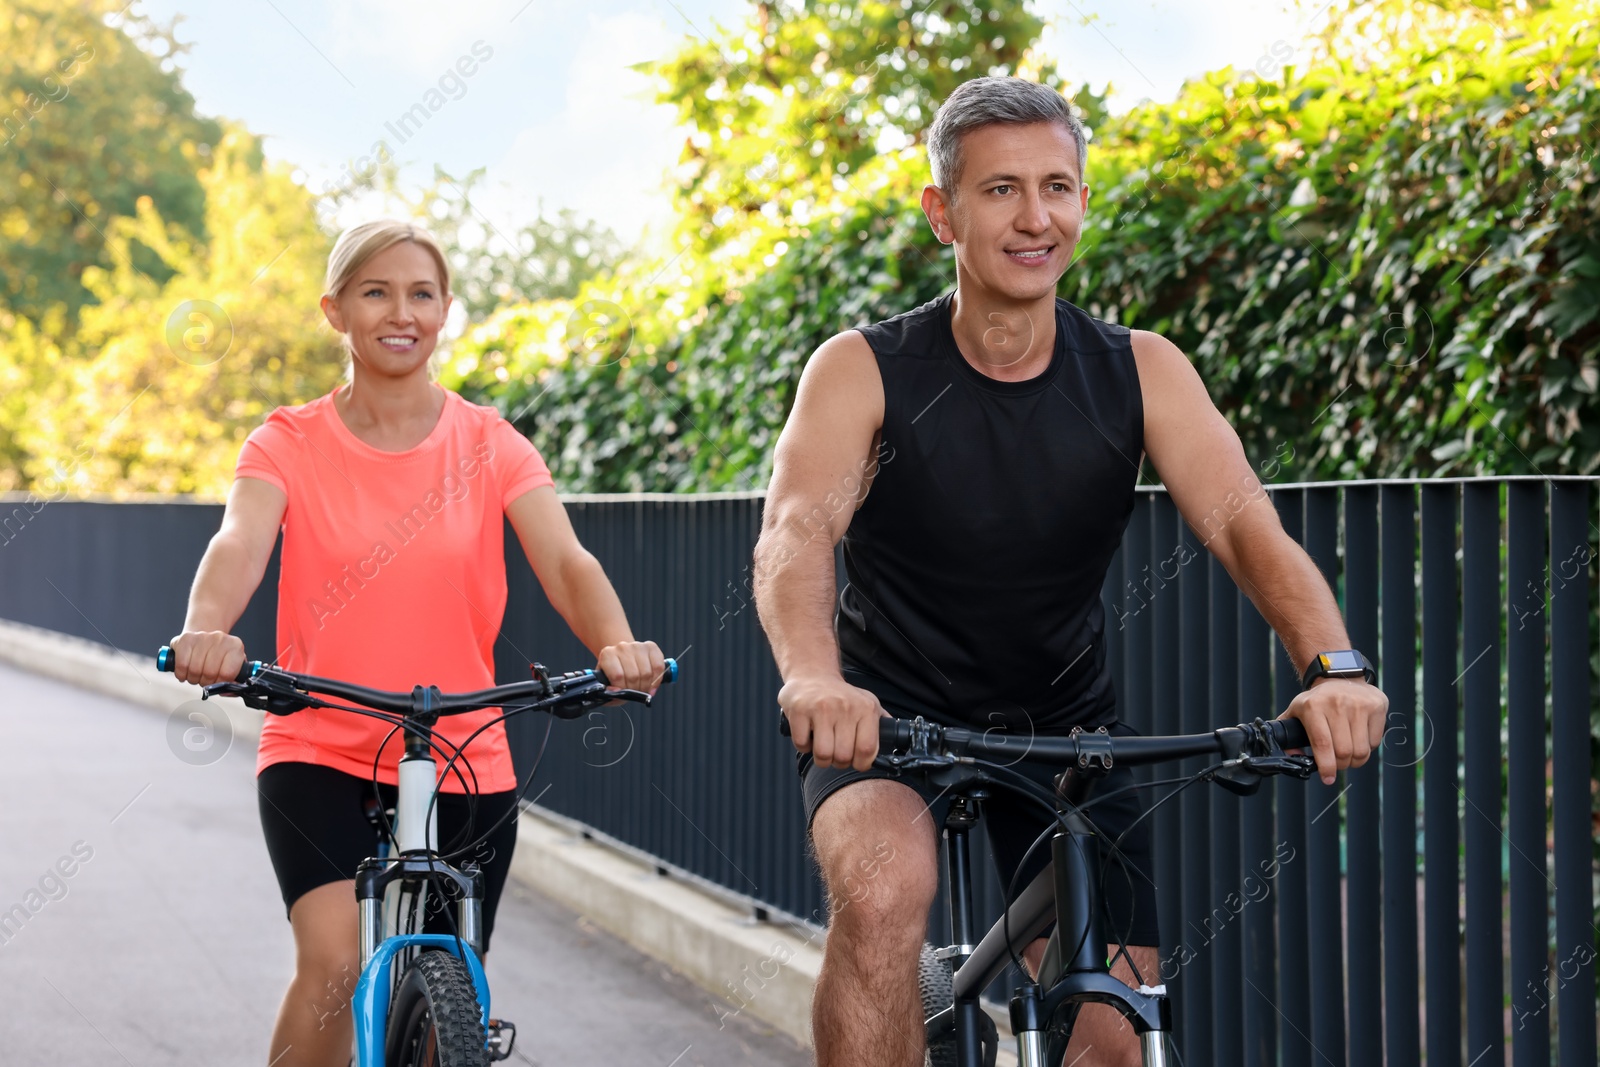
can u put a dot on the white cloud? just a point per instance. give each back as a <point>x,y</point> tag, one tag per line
<point>411,35</point>
<point>605,152</point>
<point>1147,51</point>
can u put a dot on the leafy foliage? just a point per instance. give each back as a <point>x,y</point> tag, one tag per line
<point>678,375</point>
<point>787,111</point>
<point>1385,264</point>
<point>491,266</point>
<point>165,376</point>
<point>91,119</point>
<point>1383,261</point>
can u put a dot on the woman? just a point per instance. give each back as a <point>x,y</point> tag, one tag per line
<point>390,493</point>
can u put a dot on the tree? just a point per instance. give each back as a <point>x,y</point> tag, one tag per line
<point>786,111</point>
<point>1382,256</point>
<point>166,377</point>
<point>92,118</point>
<point>798,195</point>
<point>493,266</point>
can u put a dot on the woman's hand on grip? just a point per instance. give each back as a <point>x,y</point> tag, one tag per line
<point>633,665</point>
<point>205,657</point>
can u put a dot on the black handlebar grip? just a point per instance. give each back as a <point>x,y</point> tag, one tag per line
<point>1292,734</point>
<point>164,659</point>
<point>893,734</point>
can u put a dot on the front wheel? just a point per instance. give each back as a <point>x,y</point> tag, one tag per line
<point>934,982</point>
<point>434,1019</point>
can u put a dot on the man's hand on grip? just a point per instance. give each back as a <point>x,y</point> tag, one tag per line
<point>833,720</point>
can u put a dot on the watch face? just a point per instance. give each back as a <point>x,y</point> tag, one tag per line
<point>1346,662</point>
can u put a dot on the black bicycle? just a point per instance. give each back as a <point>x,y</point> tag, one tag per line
<point>967,765</point>
<point>422,999</point>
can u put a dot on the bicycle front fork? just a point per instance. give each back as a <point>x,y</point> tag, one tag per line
<point>1085,977</point>
<point>374,877</point>
<point>1027,1022</point>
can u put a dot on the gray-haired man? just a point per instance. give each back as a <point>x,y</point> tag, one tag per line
<point>975,558</point>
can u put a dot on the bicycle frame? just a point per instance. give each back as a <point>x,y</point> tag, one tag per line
<point>380,884</point>
<point>382,880</point>
<point>1063,892</point>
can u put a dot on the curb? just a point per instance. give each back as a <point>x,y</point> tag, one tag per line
<point>761,971</point>
<point>108,671</point>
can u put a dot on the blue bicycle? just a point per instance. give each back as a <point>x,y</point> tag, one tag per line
<point>433,1009</point>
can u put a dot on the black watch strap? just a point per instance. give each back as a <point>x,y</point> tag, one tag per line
<point>1347,663</point>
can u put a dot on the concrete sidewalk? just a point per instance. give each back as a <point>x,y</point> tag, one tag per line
<point>151,931</point>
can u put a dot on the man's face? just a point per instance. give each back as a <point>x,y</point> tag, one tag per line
<point>1017,212</point>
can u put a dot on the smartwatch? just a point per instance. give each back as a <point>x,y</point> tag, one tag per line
<point>1344,664</point>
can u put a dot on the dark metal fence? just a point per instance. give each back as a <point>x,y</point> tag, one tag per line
<point>1438,902</point>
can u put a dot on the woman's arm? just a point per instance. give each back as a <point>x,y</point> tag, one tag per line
<point>228,575</point>
<point>577,587</point>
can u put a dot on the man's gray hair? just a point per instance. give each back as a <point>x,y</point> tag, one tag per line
<point>985,102</point>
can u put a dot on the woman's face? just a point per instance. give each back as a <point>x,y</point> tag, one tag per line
<point>391,311</point>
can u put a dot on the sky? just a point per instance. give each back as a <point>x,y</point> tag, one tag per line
<point>551,106</point>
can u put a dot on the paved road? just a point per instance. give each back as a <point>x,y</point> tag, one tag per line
<point>165,943</point>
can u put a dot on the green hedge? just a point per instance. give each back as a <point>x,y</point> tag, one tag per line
<point>1387,263</point>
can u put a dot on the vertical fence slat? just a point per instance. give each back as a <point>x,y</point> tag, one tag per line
<point>1322,833</point>
<point>1439,797</point>
<point>1195,999</point>
<point>1258,858</point>
<point>1570,799</point>
<point>1294,949</point>
<point>1525,756</point>
<point>1221,930</point>
<point>1364,899</point>
<point>1134,623</point>
<point>1160,589</point>
<point>1479,685</point>
<point>1402,747</point>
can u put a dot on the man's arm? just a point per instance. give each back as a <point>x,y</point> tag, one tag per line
<point>822,468</point>
<point>1203,465</point>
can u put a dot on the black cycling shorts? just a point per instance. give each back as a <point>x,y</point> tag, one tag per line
<point>317,832</point>
<point>1013,824</point>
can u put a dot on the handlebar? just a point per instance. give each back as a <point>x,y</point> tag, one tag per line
<point>1082,748</point>
<point>1249,750</point>
<point>898,734</point>
<point>281,692</point>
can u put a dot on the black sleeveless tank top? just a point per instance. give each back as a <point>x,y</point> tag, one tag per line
<point>975,564</point>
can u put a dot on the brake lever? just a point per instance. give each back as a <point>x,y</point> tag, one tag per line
<point>901,763</point>
<point>266,691</point>
<point>1297,766</point>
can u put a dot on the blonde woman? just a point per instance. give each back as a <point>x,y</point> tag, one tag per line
<point>390,492</point>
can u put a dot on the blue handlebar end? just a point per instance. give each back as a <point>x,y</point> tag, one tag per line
<point>164,658</point>
<point>671,674</point>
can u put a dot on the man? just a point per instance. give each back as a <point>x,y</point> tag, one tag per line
<point>978,457</point>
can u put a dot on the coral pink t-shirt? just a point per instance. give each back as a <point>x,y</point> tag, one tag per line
<point>393,575</point>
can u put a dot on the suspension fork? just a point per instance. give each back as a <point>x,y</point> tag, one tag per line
<point>1079,968</point>
<point>1079,941</point>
